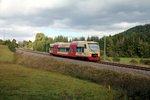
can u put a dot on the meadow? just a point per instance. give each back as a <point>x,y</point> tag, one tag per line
<point>126,60</point>
<point>5,54</point>
<point>30,76</point>
<point>18,82</point>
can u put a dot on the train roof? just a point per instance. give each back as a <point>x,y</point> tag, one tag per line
<point>60,43</point>
<point>68,43</point>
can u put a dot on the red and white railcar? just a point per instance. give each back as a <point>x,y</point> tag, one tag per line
<point>77,49</point>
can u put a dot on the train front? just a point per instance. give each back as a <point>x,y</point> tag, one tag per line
<point>94,51</point>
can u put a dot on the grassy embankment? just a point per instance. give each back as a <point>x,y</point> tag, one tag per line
<point>20,83</point>
<point>6,55</point>
<point>134,86</point>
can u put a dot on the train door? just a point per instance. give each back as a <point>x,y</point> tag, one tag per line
<point>55,49</point>
<point>72,51</point>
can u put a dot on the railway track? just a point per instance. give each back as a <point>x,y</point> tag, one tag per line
<point>103,62</point>
<point>127,66</point>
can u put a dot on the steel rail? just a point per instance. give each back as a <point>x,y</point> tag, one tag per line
<point>102,62</point>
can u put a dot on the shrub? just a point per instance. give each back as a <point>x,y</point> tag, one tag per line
<point>116,59</point>
<point>141,61</point>
<point>108,59</point>
<point>133,61</point>
<point>145,62</point>
<point>12,47</point>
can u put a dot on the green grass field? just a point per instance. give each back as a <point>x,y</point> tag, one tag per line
<point>18,82</point>
<point>127,60</point>
<point>5,54</point>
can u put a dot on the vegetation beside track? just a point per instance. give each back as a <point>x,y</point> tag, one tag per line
<point>18,82</point>
<point>134,61</point>
<point>136,87</point>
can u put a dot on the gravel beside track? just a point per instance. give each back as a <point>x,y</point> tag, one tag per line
<point>88,63</point>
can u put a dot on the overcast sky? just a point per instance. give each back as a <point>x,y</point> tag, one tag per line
<point>21,19</point>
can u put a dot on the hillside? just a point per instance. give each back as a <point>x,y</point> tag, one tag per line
<point>134,42</point>
<point>142,32</point>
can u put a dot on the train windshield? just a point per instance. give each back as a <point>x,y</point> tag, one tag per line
<point>93,46</point>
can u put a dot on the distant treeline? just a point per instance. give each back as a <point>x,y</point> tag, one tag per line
<point>134,42</point>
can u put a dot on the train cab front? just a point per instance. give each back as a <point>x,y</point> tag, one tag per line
<point>94,57</point>
<point>94,52</point>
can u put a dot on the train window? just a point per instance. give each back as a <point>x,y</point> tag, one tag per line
<point>93,46</point>
<point>80,49</point>
<point>67,49</point>
<point>63,49</point>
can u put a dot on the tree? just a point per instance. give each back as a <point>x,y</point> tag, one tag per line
<point>109,46</point>
<point>12,45</point>
<point>42,42</point>
<point>48,41</point>
<point>82,38</point>
<point>79,39</point>
<point>30,44</point>
<point>61,39</point>
<point>135,42</point>
<point>39,43</point>
<point>25,44</point>
<point>75,39</point>
<point>88,38</point>
<point>94,38</point>
<point>1,41</point>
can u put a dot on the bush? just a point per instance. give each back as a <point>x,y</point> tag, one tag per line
<point>116,59</point>
<point>2,42</point>
<point>12,47</point>
<point>145,62</point>
<point>133,61</point>
<point>108,59</point>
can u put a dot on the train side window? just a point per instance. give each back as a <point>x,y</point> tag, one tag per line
<point>67,49</point>
<point>80,49</point>
<point>63,49</point>
<point>85,46</point>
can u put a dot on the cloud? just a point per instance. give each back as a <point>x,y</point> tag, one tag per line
<point>10,8</point>
<point>125,25</point>
<point>25,17</point>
